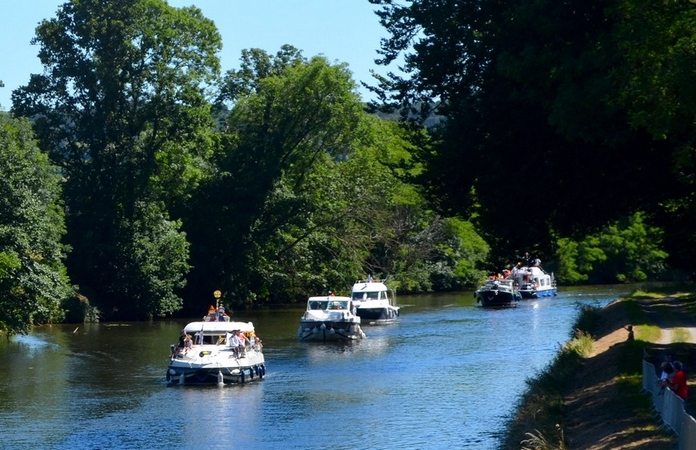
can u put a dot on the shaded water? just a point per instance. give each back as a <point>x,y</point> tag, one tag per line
<point>446,376</point>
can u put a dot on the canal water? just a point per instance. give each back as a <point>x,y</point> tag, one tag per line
<point>446,376</point>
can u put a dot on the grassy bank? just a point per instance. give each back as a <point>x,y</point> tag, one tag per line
<point>590,395</point>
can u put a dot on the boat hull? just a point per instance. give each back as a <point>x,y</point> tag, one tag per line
<point>329,331</point>
<point>383,314</point>
<point>207,366</point>
<point>498,294</point>
<point>492,299</point>
<point>538,293</point>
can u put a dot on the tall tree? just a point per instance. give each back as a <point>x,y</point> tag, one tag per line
<point>535,99</point>
<point>122,108</point>
<point>33,280</point>
<point>283,123</point>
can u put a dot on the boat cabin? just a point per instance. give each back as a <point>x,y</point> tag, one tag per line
<point>370,290</point>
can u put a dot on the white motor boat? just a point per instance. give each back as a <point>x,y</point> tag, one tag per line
<point>375,302</point>
<point>534,282</point>
<point>330,318</point>
<point>216,352</point>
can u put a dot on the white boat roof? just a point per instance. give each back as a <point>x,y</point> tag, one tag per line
<point>369,286</point>
<point>328,297</point>
<point>218,327</point>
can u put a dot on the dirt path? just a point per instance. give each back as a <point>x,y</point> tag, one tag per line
<point>672,317</point>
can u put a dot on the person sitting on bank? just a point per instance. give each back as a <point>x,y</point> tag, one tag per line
<point>631,336</point>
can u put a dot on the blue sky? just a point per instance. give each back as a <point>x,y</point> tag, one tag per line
<point>342,30</point>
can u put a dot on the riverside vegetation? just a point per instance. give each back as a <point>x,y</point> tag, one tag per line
<point>138,177</point>
<point>589,397</point>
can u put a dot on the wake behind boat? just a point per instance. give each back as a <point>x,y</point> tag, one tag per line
<point>216,352</point>
<point>330,318</point>
<point>375,302</point>
<point>498,293</point>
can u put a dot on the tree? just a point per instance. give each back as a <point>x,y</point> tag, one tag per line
<point>122,108</point>
<point>33,280</point>
<point>545,107</point>
<point>624,251</point>
<point>278,132</point>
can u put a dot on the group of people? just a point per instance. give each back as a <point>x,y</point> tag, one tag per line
<point>216,315</point>
<point>673,377</point>
<point>239,341</point>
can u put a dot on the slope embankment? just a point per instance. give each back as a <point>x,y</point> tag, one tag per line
<point>590,396</point>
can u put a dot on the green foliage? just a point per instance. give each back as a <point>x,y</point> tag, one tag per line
<point>574,113</point>
<point>121,106</point>
<point>33,278</point>
<point>623,251</point>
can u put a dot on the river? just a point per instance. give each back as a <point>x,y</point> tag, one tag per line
<point>447,375</point>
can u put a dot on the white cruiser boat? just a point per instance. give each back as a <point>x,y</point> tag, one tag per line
<point>330,318</point>
<point>375,302</point>
<point>216,352</point>
<point>534,282</point>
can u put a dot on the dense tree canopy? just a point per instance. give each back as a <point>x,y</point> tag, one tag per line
<point>33,280</point>
<point>121,107</point>
<point>559,116</point>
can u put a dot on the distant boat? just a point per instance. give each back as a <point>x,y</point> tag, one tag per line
<point>498,293</point>
<point>330,318</point>
<point>375,302</point>
<point>534,282</point>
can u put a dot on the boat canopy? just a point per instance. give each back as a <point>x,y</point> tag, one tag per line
<point>218,327</point>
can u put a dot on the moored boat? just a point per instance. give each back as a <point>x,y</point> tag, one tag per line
<point>330,318</point>
<point>498,293</point>
<point>375,302</point>
<point>216,352</point>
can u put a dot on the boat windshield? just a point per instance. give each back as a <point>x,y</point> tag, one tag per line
<point>328,304</point>
<point>365,295</point>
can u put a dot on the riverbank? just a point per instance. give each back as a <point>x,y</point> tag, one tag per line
<point>590,397</point>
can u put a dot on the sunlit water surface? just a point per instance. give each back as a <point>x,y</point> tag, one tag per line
<point>446,376</point>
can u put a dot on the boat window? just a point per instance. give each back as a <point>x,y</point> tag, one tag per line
<point>319,304</point>
<point>373,295</point>
<point>339,305</point>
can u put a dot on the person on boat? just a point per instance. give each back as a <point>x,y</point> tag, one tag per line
<point>185,342</point>
<point>244,343</point>
<point>236,344</point>
<point>211,316</point>
<point>369,278</point>
<point>221,315</point>
<point>527,259</point>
